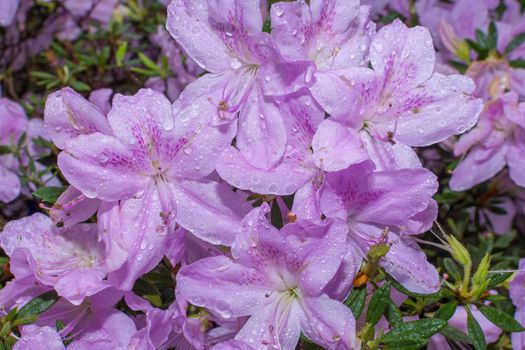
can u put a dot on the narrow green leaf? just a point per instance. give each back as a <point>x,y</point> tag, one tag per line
<point>48,194</point>
<point>492,37</point>
<point>4,150</point>
<point>393,314</point>
<point>121,52</point>
<point>6,329</point>
<point>475,332</point>
<point>356,301</point>
<point>148,62</point>
<point>452,268</point>
<point>501,319</point>
<point>517,64</point>
<point>378,304</point>
<point>413,333</point>
<point>38,305</point>
<point>456,335</point>
<point>515,43</point>
<point>498,278</point>
<point>482,39</point>
<point>446,311</point>
<point>80,86</point>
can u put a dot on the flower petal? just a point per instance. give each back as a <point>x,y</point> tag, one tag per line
<point>67,115</point>
<point>100,166</point>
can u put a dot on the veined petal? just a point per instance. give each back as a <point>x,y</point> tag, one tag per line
<point>516,159</point>
<point>67,115</point>
<point>100,166</point>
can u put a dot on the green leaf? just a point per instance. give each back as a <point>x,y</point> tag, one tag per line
<point>492,37</point>
<point>276,217</point>
<point>446,311</point>
<point>480,276</point>
<point>501,319</point>
<point>456,335</point>
<point>498,278</point>
<point>79,86</point>
<point>378,304</point>
<point>5,150</point>
<point>515,43</point>
<point>393,314</point>
<point>38,305</point>
<point>505,240</point>
<point>146,61</point>
<point>356,301</point>
<point>6,329</point>
<point>413,333</point>
<point>452,268</point>
<point>475,332</point>
<point>48,194</point>
<point>517,64</point>
<point>121,52</point>
<point>482,39</point>
<point>267,27</point>
<point>405,291</point>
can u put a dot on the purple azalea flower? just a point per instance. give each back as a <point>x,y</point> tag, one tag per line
<point>386,207</point>
<point>314,146</point>
<point>333,35</point>
<point>401,102</point>
<point>69,260</point>
<point>147,165</point>
<point>94,324</point>
<point>517,294</point>
<point>73,207</point>
<point>276,278</point>
<point>239,57</point>
<point>13,123</point>
<point>497,140</point>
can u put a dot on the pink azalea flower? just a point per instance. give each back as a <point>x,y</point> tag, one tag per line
<point>276,278</point>
<point>385,207</point>
<point>333,35</point>
<point>69,260</point>
<point>401,102</point>
<point>239,57</point>
<point>147,165</point>
<point>314,146</point>
<point>497,140</point>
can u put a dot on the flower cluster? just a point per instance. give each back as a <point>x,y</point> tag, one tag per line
<point>277,168</point>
